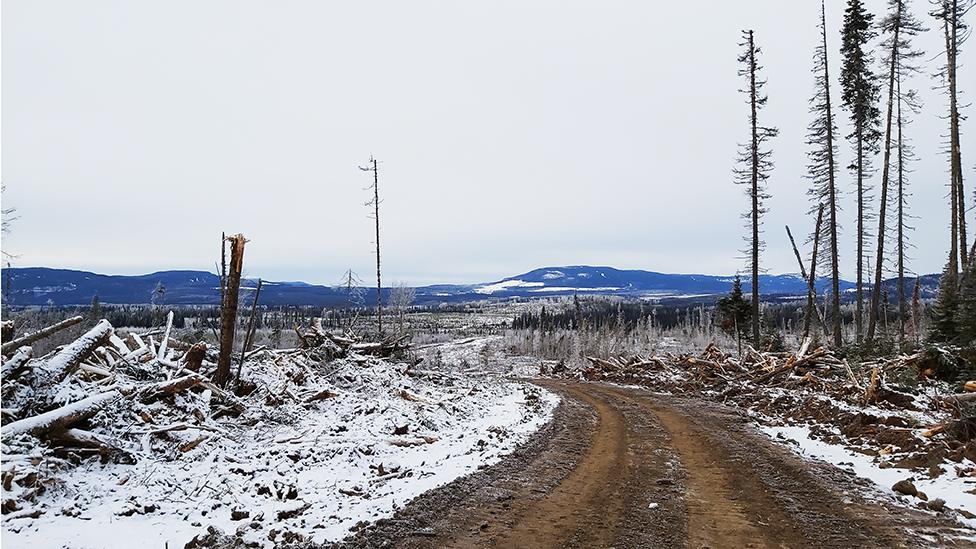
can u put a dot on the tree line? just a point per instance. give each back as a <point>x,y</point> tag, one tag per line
<point>878,63</point>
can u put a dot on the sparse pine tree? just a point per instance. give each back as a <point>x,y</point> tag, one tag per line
<point>917,311</point>
<point>755,163</point>
<point>906,101</point>
<point>899,26</point>
<point>950,13</point>
<point>822,170</point>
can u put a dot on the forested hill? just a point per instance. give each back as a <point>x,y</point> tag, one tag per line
<point>45,286</point>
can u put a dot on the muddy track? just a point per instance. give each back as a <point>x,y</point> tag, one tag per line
<point>620,467</point>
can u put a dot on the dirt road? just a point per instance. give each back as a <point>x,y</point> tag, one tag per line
<point>624,468</point>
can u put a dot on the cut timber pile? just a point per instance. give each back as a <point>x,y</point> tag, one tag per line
<point>334,346</point>
<point>122,397</point>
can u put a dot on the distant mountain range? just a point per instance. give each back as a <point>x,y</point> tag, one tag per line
<point>44,286</point>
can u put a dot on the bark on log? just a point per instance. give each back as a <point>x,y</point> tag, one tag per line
<point>61,417</point>
<point>9,347</point>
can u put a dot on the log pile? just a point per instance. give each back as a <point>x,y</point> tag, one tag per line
<point>317,338</point>
<point>113,395</point>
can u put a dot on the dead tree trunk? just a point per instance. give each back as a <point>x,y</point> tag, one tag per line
<point>228,313</point>
<point>902,298</point>
<point>376,215</point>
<point>223,266</point>
<point>885,175</point>
<point>249,334</point>
<point>755,191</point>
<point>812,309</point>
<point>956,155</point>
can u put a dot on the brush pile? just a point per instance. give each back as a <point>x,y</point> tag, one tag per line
<point>129,427</point>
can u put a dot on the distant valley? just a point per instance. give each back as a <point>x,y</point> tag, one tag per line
<point>37,286</point>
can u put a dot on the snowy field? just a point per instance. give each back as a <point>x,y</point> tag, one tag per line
<point>291,468</point>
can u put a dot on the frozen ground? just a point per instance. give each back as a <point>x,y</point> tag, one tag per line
<point>955,492</point>
<point>289,468</point>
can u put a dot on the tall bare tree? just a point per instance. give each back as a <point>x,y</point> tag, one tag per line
<point>375,203</point>
<point>7,218</point>
<point>754,163</point>
<point>950,13</point>
<point>822,171</point>
<point>899,26</point>
<point>906,101</point>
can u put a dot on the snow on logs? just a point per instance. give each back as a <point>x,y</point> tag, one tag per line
<point>67,359</point>
<point>62,417</point>
<point>10,346</point>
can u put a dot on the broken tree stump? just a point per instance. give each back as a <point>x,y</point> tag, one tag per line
<point>228,313</point>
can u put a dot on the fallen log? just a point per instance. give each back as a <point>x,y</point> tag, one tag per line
<point>9,347</point>
<point>171,387</point>
<point>60,418</point>
<point>957,398</point>
<point>67,359</point>
<point>321,395</point>
<point>14,366</point>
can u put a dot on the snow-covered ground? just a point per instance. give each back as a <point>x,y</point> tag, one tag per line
<point>957,493</point>
<point>311,469</point>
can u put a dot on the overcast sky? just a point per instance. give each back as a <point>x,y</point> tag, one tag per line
<point>511,135</point>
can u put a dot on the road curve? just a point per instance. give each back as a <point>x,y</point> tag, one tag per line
<point>625,468</point>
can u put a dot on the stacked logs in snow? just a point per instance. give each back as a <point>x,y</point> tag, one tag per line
<point>713,369</point>
<point>87,398</point>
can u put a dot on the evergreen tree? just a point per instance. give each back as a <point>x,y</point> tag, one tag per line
<point>906,101</point>
<point>754,164</point>
<point>733,312</point>
<point>859,96</point>
<point>946,310</point>
<point>966,308</point>
<point>96,308</point>
<point>822,169</point>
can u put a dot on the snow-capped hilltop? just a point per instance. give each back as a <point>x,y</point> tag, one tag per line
<point>608,280</point>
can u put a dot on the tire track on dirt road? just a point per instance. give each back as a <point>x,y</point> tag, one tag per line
<point>626,468</point>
